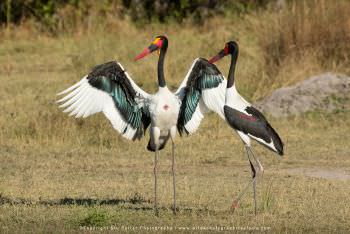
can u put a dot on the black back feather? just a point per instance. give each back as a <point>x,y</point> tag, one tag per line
<point>255,125</point>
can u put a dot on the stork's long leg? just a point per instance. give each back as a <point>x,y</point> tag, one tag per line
<point>253,181</point>
<point>173,171</point>
<point>254,193</point>
<point>155,181</point>
<point>249,152</point>
<point>256,159</point>
<point>261,170</point>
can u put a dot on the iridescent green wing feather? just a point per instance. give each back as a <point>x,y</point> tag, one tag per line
<point>202,76</point>
<point>111,78</point>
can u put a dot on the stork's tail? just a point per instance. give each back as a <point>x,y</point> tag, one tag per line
<point>162,142</point>
<point>277,142</point>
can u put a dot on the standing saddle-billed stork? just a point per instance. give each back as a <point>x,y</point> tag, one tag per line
<point>108,88</point>
<point>245,119</point>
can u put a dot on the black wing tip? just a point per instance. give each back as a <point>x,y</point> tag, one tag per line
<point>180,130</point>
<point>138,134</point>
<point>278,143</point>
<point>280,152</point>
<point>183,132</point>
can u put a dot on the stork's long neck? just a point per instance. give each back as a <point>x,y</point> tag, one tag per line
<point>161,79</point>
<point>231,73</point>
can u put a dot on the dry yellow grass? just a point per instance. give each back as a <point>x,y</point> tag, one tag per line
<point>306,38</point>
<point>47,156</point>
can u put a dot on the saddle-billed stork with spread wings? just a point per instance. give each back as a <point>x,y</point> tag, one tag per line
<point>108,88</point>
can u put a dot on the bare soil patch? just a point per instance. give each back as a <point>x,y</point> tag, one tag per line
<point>323,173</point>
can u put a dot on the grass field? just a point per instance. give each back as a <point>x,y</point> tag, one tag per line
<point>59,173</point>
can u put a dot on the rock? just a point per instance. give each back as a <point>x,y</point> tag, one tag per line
<point>326,92</point>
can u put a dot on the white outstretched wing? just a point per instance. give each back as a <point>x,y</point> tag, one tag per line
<point>202,90</point>
<point>109,89</point>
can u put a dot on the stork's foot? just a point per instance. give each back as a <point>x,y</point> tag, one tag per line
<point>234,205</point>
<point>175,210</point>
<point>156,212</point>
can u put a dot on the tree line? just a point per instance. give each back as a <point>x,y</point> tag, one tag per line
<point>142,11</point>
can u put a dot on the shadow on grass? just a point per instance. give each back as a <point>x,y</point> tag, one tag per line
<point>135,202</point>
<point>134,199</point>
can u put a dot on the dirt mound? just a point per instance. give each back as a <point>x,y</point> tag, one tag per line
<point>326,92</point>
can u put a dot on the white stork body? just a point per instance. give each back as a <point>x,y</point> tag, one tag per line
<point>164,109</point>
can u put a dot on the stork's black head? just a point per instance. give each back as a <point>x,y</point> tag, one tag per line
<point>160,42</point>
<point>231,47</point>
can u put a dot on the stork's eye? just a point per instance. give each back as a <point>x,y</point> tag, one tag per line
<point>158,42</point>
